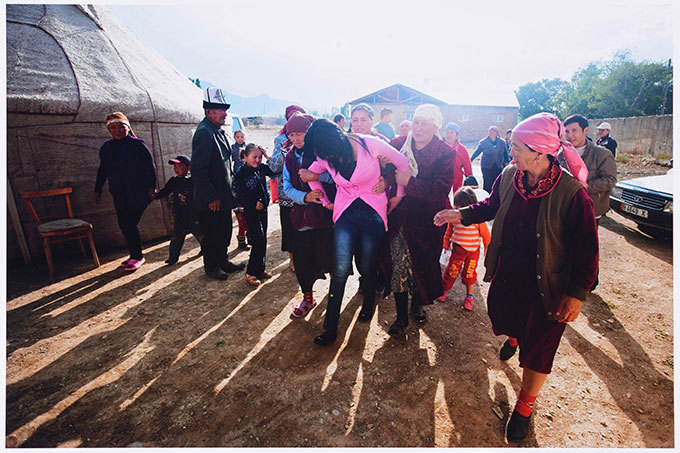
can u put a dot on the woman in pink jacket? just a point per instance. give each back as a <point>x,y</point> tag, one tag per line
<point>359,214</point>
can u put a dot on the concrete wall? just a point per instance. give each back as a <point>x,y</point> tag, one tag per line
<point>647,135</point>
<point>475,128</point>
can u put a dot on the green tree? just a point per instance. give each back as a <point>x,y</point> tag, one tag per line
<point>196,81</point>
<point>345,110</point>
<point>619,87</point>
<point>536,97</point>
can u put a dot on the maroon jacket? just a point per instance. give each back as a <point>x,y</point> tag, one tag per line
<point>311,215</point>
<point>426,195</point>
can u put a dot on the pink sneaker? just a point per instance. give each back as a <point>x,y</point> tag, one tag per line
<point>442,298</point>
<point>133,265</point>
<point>467,303</point>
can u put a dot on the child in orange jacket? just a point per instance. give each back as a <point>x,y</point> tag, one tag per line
<point>465,244</point>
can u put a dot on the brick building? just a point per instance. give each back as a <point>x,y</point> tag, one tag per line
<point>474,119</point>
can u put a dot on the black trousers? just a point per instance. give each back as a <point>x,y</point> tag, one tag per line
<point>183,224</point>
<point>127,221</point>
<point>216,228</point>
<point>257,229</point>
<point>312,255</point>
<point>490,175</point>
<point>287,230</point>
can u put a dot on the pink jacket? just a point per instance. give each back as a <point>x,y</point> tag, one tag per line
<point>365,176</point>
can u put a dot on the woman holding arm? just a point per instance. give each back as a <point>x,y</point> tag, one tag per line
<point>360,215</point>
<point>411,262</point>
<point>543,254</point>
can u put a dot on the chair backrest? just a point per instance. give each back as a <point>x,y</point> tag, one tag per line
<point>28,196</point>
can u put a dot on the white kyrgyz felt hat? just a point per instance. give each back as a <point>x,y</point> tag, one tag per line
<point>213,98</point>
<point>605,125</point>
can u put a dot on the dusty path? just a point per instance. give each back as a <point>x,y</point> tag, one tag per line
<point>166,357</point>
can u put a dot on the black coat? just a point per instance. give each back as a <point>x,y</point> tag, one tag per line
<point>128,166</point>
<point>211,167</point>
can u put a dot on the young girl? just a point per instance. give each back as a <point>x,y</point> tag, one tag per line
<point>250,186</point>
<point>236,151</point>
<point>465,241</point>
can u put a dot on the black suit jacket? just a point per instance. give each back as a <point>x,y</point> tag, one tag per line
<point>211,167</point>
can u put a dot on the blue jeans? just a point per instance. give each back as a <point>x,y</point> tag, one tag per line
<point>358,232</point>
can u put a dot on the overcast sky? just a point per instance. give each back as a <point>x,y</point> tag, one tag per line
<point>325,53</point>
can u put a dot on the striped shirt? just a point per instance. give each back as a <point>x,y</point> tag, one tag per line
<point>468,237</point>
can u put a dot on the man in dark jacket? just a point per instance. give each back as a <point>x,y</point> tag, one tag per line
<point>494,156</point>
<point>213,175</point>
<point>605,140</point>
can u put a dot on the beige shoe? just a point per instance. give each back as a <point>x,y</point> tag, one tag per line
<point>252,280</point>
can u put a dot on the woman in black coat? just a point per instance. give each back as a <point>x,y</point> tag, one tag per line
<point>126,163</point>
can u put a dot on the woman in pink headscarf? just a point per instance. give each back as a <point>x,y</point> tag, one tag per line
<point>543,255</point>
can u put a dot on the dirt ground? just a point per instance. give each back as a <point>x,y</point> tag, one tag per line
<point>165,357</point>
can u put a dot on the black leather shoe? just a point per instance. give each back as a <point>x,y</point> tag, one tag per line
<point>231,267</point>
<point>171,261</point>
<point>518,427</point>
<point>397,328</point>
<point>217,274</point>
<point>365,314</point>
<point>326,338</point>
<point>507,351</point>
<point>419,315</point>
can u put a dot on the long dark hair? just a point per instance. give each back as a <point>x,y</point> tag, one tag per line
<point>329,142</point>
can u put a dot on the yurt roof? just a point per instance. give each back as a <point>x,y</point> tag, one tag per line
<point>80,60</point>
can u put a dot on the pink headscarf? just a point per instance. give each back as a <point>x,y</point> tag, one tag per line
<point>541,132</point>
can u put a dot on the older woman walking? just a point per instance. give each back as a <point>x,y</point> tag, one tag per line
<point>126,163</point>
<point>494,156</point>
<point>543,254</point>
<point>411,265</point>
<point>360,214</point>
<point>281,146</point>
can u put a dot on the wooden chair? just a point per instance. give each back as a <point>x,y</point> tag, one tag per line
<point>60,230</point>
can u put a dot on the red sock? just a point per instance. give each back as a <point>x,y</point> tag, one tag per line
<point>512,342</point>
<point>525,404</point>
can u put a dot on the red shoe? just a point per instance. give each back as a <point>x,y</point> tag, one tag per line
<point>442,298</point>
<point>305,306</point>
<point>467,303</point>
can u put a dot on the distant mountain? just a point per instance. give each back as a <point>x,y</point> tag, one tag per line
<point>262,105</point>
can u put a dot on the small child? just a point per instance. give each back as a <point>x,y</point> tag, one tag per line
<point>465,241</point>
<point>236,150</point>
<point>250,186</point>
<point>185,220</point>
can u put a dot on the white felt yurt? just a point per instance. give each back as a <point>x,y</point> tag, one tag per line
<point>68,66</point>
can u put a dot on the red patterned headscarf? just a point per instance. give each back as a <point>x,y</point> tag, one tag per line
<point>541,132</point>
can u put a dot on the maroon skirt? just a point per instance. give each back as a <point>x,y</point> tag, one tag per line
<point>516,310</point>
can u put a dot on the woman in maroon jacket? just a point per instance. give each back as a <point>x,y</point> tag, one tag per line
<point>410,263</point>
<point>542,258</point>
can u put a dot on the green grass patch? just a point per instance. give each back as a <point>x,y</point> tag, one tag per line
<point>617,291</point>
<point>668,361</point>
<point>609,304</point>
<point>662,334</point>
<point>623,159</point>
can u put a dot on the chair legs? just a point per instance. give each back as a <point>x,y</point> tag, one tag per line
<point>94,250</point>
<point>82,247</point>
<point>48,255</point>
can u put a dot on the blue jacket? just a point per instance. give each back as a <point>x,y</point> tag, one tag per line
<point>494,155</point>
